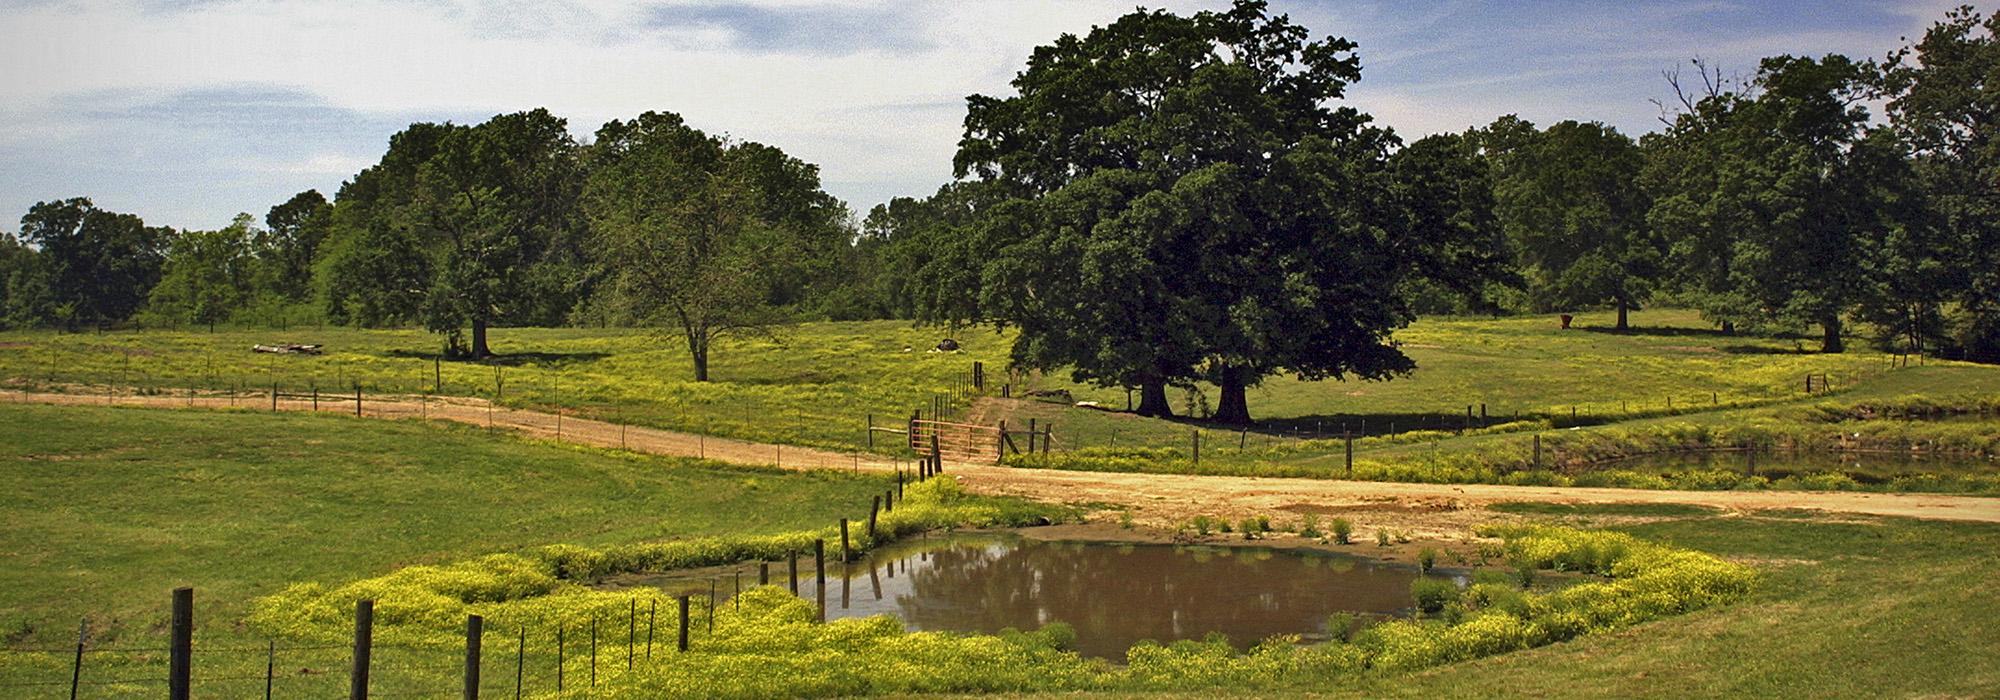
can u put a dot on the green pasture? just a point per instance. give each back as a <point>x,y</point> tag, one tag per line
<point>107,509</point>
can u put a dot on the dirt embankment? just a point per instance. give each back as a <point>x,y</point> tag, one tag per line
<point>1433,511</point>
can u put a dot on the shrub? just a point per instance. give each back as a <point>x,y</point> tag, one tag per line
<point>1309,526</point>
<point>1426,559</point>
<point>1202,525</point>
<point>1432,594</point>
<point>1381,538</point>
<point>1343,531</point>
<point>1250,528</point>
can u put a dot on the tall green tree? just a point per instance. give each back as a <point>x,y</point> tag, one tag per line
<point>99,265</point>
<point>207,274</point>
<point>700,234</point>
<point>1183,201</point>
<point>1765,195</point>
<point>1944,102</point>
<point>1569,201</point>
<point>451,227</point>
<point>289,244</point>
<point>24,285</point>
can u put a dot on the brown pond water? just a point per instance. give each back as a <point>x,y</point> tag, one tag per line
<point>1114,595</point>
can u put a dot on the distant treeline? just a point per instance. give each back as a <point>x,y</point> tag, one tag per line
<point>1771,201</point>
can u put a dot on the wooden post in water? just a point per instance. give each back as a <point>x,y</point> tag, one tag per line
<point>819,576</point>
<point>846,551</point>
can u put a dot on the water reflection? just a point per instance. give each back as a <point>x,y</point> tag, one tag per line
<point>1113,594</point>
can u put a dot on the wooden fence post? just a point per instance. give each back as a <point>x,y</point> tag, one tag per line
<point>364,636</point>
<point>794,571</point>
<point>76,663</point>
<point>1538,450</point>
<point>819,576</point>
<point>357,399</point>
<point>979,375</point>
<point>683,646</point>
<point>763,573</point>
<point>937,455</point>
<point>1349,437</point>
<point>874,506</point>
<point>180,663</point>
<point>846,552</point>
<point>1031,436</point>
<point>871,431</point>
<point>1196,434</point>
<point>474,629</point>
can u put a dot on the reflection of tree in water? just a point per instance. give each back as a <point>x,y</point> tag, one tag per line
<point>1116,595</point>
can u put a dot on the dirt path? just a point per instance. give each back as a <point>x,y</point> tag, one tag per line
<point>1155,499</point>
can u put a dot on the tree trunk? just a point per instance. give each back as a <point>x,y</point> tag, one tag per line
<point>1831,341</point>
<point>700,353</point>
<point>1235,406</point>
<point>1729,328</point>
<point>1622,308</point>
<point>479,350</point>
<point>1153,399</point>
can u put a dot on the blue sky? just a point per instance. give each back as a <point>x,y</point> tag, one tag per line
<point>188,111</point>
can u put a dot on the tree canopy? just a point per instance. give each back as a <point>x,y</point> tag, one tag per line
<point>1183,201</point>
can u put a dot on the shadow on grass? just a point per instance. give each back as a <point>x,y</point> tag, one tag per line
<point>518,359</point>
<point>1666,331</point>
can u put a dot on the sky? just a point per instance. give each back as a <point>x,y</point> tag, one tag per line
<point>186,112</point>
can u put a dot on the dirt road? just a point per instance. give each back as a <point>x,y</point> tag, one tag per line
<point>1155,499</point>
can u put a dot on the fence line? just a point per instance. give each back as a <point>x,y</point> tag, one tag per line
<point>483,664</point>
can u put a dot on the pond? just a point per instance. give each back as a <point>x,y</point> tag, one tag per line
<point>1113,594</point>
<point>1863,467</point>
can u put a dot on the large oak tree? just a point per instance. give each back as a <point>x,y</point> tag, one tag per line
<point>1184,201</point>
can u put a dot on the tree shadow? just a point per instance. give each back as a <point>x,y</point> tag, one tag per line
<point>1665,331</point>
<point>1765,350</point>
<point>515,359</point>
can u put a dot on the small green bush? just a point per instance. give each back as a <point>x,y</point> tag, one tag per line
<point>1343,531</point>
<point>1381,538</point>
<point>1426,559</point>
<point>1309,526</point>
<point>1432,594</point>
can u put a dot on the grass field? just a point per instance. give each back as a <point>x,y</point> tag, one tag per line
<point>1526,366</point>
<point>815,383</point>
<point>809,385</point>
<point>109,508</point>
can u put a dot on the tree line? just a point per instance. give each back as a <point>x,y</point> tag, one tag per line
<point>1164,201</point>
